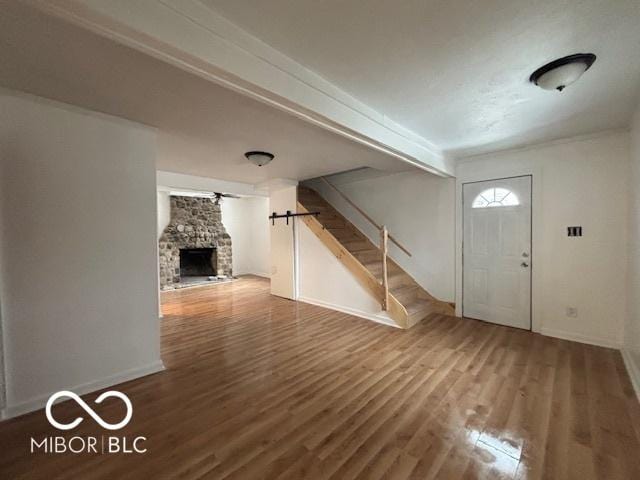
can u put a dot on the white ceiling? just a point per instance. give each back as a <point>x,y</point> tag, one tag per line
<point>204,129</point>
<point>455,71</point>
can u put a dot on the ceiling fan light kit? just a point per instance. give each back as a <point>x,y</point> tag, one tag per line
<point>562,72</point>
<point>259,158</point>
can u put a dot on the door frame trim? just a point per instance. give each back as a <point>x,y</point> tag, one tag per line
<point>531,254</point>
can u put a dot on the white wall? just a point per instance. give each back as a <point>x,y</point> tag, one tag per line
<point>283,244</point>
<point>418,209</point>
<point>323,280</point>
<point>579,182</point>
<point>79,277</point>
<point>631,350</point>
<point>164,211</point>
<point>246,221</point>
<point>3,391</point>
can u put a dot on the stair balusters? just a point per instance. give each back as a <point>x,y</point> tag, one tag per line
<point>384,243</point>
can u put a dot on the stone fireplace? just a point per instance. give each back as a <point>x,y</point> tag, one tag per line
<point>195,243</point>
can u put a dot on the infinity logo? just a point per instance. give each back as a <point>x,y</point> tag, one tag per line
<point>89,410</point>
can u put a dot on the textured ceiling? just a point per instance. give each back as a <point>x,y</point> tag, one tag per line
<point>455,71</point>
<point>203,129</point>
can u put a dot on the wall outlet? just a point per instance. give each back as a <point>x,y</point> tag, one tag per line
<point>572,312</point>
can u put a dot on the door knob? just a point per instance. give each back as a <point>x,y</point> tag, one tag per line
<point>525,254</point>
<point>524,264</point>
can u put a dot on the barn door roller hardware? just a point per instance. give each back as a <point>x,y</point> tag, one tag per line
<point>288,215</point>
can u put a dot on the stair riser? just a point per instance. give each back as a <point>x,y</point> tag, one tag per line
<point>317,208</point>
<point>376,269</point>
<point>333,222</point>
<point>397,281</point>
<point>407,296</point>
<point>417,301</point>
<point>355,247</point>
<point>425,296</point>
<point>343,232</point>
<point>420,316</point>
<point>365,257</point>
<point>326,219</point>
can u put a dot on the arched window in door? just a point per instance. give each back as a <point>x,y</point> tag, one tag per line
<point>495,197</point>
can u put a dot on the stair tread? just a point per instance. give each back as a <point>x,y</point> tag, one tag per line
<point>315,208</point>
<point>376,261</point>
<point>419,305</point>
<point>391,270</point>
<point>404,288</point>
<point>370,251</point>
<point>347,235</point>
<point>357,245</point>
<point>416,301</point>
<point>345,228</point>
<point>402,292</point>
<point>365,241</point>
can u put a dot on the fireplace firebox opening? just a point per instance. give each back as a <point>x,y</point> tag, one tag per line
<point>197,262</point>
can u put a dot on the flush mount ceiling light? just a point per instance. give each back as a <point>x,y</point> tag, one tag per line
<point>563,71</point>
<point>259,158</point>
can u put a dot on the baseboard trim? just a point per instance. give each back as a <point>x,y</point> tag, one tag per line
<point>257,274</point>
<point>599,342</point>
<point>633,370</point>
<point>11,411</point>
<point>384,320</point>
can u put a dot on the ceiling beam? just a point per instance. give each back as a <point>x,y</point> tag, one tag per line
<point>167,181</point>
<point>191,36</point>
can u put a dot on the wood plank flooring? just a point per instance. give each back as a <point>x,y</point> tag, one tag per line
<point>258,387</point>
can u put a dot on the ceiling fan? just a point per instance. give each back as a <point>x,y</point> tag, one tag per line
<point>219,196</point>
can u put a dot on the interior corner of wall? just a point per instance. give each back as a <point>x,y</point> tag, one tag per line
<point>632,364</point>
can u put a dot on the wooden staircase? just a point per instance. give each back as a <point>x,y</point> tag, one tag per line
<point>406,302</point>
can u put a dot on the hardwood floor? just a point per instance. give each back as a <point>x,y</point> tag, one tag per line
<point>261,387</point>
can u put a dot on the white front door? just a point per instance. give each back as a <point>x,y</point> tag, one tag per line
<point>496,251</point>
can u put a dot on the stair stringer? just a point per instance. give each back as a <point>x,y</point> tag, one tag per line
<point>366,253</point>
<point>370,283</point>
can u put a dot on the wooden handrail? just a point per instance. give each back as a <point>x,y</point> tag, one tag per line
<point>396,310</point>
<point>364,214</point>
<point>384,247</point>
